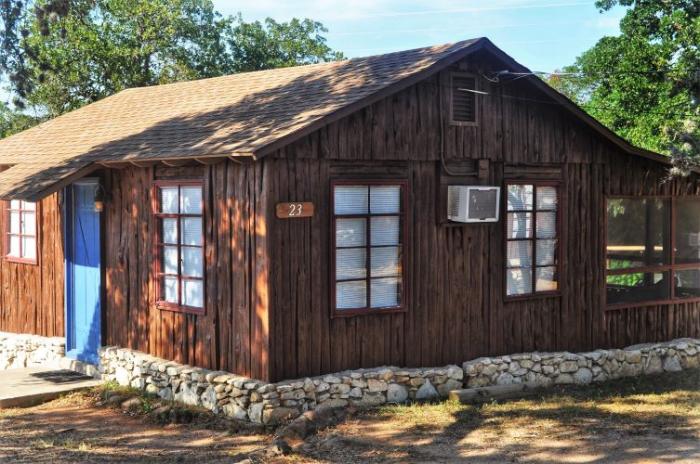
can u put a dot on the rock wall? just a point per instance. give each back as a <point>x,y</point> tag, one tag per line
<point>260,402</point>
<point>247,399</point>
<point>583,368</point>
<point>24,350</point>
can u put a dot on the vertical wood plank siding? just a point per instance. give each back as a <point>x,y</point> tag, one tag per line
<point>232,334</point>
<point>267,279</point>
<point>31,295</point>
<point>456,310</point>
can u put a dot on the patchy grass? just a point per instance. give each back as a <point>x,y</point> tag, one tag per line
<point>653,418</point>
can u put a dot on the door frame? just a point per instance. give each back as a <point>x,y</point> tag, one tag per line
<point>68,222</point>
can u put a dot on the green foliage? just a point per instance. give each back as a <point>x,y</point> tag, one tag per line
<point>95,48</point>
<point>12,122</point>
<point>643,84</point>
<point>257,46</point>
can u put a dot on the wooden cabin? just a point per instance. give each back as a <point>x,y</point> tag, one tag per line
<point>297,221</point>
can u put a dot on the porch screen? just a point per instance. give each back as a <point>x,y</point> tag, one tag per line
<point>368,270</point>
<point>652,250</point>
<point>20,231</point>
<point>180,246</point>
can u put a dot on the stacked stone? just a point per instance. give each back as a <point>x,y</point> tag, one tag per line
<point>24,350</point>
<point>545,369</point>
<point>246,399</point>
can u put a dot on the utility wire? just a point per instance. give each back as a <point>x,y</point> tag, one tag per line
<point>585,108</point>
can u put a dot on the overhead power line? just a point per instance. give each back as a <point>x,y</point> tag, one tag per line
<point>476,9</point>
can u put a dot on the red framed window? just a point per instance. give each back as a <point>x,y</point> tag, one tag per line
<point>368,240</point>
<point>21,231</point>
<point>532,238</point>
<point>179,256</point>
<point>652,250</point>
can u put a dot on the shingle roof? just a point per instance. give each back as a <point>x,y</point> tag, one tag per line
<point>246,114</point>
<point>234,115</point>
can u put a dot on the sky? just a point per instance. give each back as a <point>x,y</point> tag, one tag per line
<point>544,35</point>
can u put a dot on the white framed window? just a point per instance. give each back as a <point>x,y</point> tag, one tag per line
<point>21,231</point>
<point>179,255</point>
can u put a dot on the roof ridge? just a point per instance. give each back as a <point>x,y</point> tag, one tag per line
<point>300,67</point>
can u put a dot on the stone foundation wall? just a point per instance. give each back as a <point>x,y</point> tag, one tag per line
<point>583,368</point>
<point>260,402</point>
<point>251,400</point>
<point>24,350</point>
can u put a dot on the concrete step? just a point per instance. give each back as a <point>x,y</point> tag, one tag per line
<point>21,388</point>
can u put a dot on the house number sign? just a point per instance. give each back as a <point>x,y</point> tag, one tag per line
<point>297,209</point>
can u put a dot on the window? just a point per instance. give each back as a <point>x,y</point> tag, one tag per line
<point>179,260</point>
<point>463,100</point>
<point>20,231</point>
<point>652,250</point>
<point>532,241</point>
<point>368,242</point>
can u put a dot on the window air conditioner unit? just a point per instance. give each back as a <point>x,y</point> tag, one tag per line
<point>694,239</point>
<point>473,203</point>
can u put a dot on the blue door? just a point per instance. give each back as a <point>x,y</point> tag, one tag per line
<point>83,279</point>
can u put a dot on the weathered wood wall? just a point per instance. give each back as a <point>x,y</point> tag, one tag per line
<point>232,334</point>
<point>31,295</point>
<point>456,307</point>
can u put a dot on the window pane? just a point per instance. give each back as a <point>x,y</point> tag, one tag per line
<point>170,289</point>
<point>638,232</point>
<point>518,281</point>
<point>14,246</point>
<point>519,225</point>
<point>546,225</point>
<point>351,199</point>
<point>545,279</point>
<point>637,287</point>
<point>15,204</point>
<point>350,263</point>
<point>546,252</point>
<point>191,200</point>
<point>169,231</point>
<point>29,205</point>
<point>168,199</point>
<point>170,260</point>
<point>385,262</point>
<point>687,283</point>
<point>193,293</point>
<point>192,231</point>
<point>520,197</point>
<point>15,223</point>
<point>384,230</point>
<point>687,230</point>
<point>192,262</point>
<point>385,199</point>
<point>520,253</point>
<point>349,295</point>
<point>350,232</point>
<point>385,292</point>
<point>29,223</point>
<point>29,247</point>
<point>546,198</point>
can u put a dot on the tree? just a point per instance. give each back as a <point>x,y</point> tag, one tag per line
<point>257,46</point>
<point>14,121</point>
<point>643,84</point>
<point>98,47</point>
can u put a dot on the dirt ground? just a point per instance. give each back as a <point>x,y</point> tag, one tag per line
<point>642,421</point>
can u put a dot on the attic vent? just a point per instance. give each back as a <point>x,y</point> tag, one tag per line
<point>463,101</point>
